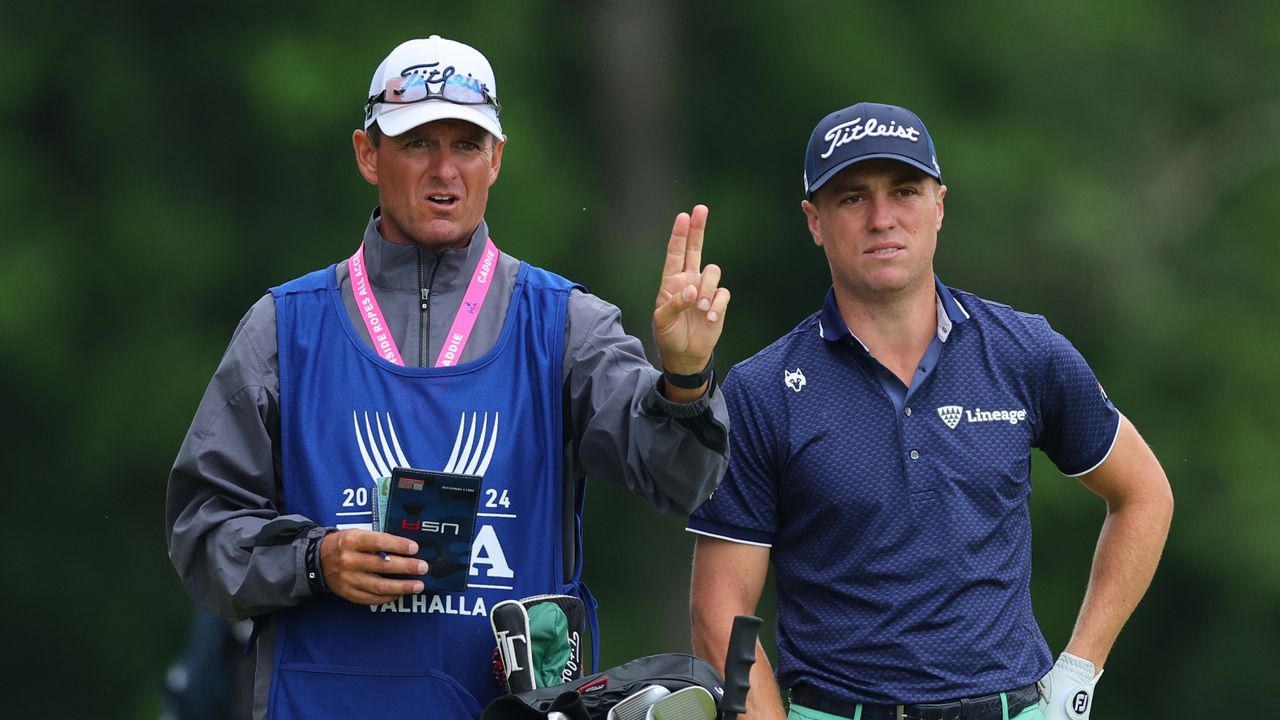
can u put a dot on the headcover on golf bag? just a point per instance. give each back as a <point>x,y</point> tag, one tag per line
<point>539,641</point>
<point>597,694</point>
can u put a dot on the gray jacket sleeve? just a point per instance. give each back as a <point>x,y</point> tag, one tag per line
<point>236,554</point>
<point>672,454</point>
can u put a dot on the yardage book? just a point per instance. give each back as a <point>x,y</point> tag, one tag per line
<point>438,511</point>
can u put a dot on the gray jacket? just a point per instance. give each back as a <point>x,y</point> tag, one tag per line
<point>222,512</point>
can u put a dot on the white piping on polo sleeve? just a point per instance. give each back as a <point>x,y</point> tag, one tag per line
<point>730,539</point>
<point>1109,449</point>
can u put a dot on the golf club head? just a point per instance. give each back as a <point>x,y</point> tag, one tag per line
<point>636,705</point>
<point>691,703</point>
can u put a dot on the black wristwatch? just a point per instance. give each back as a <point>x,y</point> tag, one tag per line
<point>694,381</point>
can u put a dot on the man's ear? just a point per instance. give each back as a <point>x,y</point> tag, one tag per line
<point>942,193</point>
<point>496,161</point>
<point>811,216</point>
<point>366,156</point>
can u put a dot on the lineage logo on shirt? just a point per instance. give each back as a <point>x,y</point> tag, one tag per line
<point>952,414</point>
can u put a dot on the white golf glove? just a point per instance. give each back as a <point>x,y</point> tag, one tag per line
<point>1068,689</point>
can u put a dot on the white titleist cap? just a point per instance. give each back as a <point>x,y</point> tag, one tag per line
<point>433,79</point>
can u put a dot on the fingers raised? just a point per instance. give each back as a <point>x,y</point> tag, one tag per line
<point>693,247</point>
<point>674,261</point>
<point>684,249</point>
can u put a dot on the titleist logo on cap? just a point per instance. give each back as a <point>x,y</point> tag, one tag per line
<point>853,130</point>
<point>433,75</point>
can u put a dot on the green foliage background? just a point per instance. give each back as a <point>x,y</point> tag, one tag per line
<point>1112,165</point>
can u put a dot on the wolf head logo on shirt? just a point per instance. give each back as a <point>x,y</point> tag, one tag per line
<point>794,380</point>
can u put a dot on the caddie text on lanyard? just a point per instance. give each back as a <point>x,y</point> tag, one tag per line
<point>463,322</point>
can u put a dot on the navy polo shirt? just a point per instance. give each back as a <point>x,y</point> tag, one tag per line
<point>897,516</point>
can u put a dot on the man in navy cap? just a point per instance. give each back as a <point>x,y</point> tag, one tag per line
<point>881,462</point>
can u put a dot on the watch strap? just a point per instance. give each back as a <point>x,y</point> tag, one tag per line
<point>694,381</point>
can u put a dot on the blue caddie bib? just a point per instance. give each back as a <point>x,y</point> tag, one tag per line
<point>346,417</point>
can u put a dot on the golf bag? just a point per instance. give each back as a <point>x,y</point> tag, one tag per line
<point>595,694</point>
<point>661,677</point>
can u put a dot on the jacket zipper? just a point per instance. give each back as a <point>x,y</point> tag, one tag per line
<point>424,285</point>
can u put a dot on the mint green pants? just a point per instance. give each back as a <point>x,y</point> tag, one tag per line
<point>800,712</point>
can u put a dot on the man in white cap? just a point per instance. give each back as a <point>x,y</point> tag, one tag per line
<point>429,348</point>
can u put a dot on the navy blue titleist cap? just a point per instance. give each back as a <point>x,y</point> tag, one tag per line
<point>863,132</point>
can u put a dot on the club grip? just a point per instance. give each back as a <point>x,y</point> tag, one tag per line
<point>738,659</point>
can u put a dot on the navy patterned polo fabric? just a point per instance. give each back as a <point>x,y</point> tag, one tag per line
<point>897,516</point>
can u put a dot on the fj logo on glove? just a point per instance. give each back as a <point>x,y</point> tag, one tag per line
<point>1080,703</point>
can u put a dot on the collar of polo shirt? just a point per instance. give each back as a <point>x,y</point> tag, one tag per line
<point>831,326</point>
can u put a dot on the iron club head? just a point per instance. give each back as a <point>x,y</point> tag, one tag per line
<point>691,703</point>
<point>636,705</point>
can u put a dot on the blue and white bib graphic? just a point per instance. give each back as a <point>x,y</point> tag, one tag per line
<point>471,457</point>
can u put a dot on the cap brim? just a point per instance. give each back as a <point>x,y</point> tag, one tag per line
<point>401,119</point>
<point>822,179</point>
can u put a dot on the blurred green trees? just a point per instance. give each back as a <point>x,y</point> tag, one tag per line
<point>1112,165</point>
